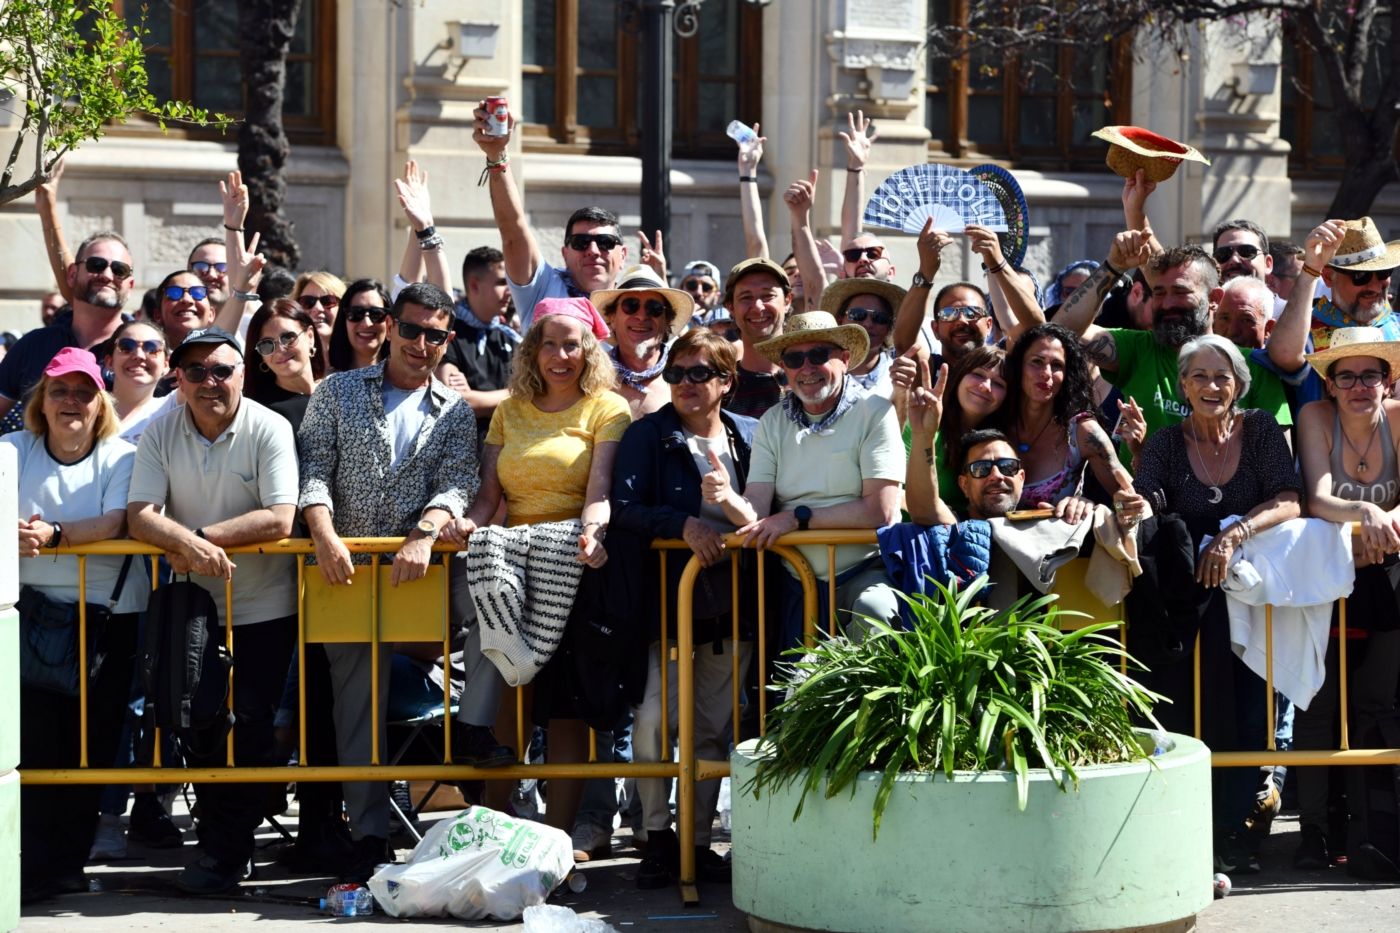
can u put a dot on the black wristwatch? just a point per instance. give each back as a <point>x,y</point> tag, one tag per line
<point>920,282</point>
<point>803,515</point>
<point>199,533</point>
<point>57,534</point>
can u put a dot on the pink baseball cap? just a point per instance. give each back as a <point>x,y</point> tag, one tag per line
<point>75,360</point>
<point>580,309</point>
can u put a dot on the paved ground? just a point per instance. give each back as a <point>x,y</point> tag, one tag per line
<point>138,895</point>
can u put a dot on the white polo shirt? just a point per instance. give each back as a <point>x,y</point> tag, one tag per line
<point>252,465</point>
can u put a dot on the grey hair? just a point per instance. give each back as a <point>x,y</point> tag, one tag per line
<point>1245,286</point>
<point>1196,345</point>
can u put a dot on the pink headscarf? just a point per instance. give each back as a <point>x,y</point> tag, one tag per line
<point>580,309</point>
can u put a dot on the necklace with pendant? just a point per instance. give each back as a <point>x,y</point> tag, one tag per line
<point>1361,454</point>
<point>1025,448</point>
<point>1216,495</point>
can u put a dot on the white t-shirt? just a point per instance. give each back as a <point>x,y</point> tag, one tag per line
<point>405,410</point>
<point>699,452</point>
<point>94,486</point>
<point>136,422</point>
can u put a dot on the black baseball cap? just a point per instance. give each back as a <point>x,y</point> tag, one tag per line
<point>205,337</point>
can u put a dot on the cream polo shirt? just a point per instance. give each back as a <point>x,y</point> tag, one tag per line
<point>252,465</point>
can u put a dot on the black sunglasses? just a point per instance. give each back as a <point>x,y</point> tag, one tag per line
<point>1245,251</point>
<point>198,372</point>
<point>129,345</point>
<point>431,334</point>
<point>697,285</point>
<point>202,267</point>
<point>817,356</point>
<point>98,265</point>
<point>359,313</point>
<point>654,307</point>
<point>877,317</point>
<point>606,242</point>
<point>1364,278</point>
<point>855,253</point>
<point>1006,466</point>
<point>966,312</point>
<point>309,302</point>
<point>176,292</point>
<point>732,334</point>
<point>269,345</point>
<point>696,374</point>
<point>1370,379</point>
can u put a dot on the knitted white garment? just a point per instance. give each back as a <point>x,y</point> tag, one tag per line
<point>523,581</point>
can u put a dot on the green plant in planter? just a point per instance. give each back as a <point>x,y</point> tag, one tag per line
<point>966,689</point>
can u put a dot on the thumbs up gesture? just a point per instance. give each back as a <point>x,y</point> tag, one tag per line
<point>714,485</point>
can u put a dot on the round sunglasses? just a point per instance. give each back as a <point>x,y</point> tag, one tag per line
<point>176,292</point>
<point>699,375</point>
<point>270,345</point>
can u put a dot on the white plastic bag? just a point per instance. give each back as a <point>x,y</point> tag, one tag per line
<point>551,918</point>
<point>479,864</point>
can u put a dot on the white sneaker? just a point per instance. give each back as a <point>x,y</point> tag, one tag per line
<point>110,840</point>
<point>591,841</point>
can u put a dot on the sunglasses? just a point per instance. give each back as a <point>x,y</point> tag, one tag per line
<point>1006,466</point>
<point>732,334</point>
<point>202,267</point>
<point>431,334</point>
<point>130,345</point>
<point>359,313</point>
<point>176,292</point>
<point>98,265</point>
<point>877,317</point>
<point>966,312</point>
<point>699,375</point>
<point>310,301</point>
<point>270,345</point>
<point>197,373</point>
<point>1245,251</point>
<point>62,393</point>
<point>606,242</point>
<point>654,307</point>
<point>817,356</point>
<point>1364,278</point>
<point>1370,379</point>
<point>696,285</point>
<point>855,253</point>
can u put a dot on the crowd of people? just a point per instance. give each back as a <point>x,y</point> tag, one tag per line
<point>1181,406</point>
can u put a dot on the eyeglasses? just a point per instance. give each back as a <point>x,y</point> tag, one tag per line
<point>197,373</point>
<point>654,307</point>
<point>1364,278</point>
<point>1006,466</point>
<point>606,242</point>
<point>431,334</point>
<point>817,356</point>
<point>311,301</point>
<point>966,312</point>
<point>877,317</point>
<point>270,345</point>
<point>699,375</point>
<point>697,285</point>
<point>855,253</point>
<point>202,267</point>
<point>1246,251</point>
<point>1369,378</point>
<point>176,292</point>
<point>98,265</point>
<point>149,347</point>
<point>62,393</point>
<point>358,313</point>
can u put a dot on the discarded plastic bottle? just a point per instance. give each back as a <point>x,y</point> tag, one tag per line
<point>577,882</point>
<point>741,133</point>
<point>1220,885</point>
<point>725,814</point>
<point>348,900</point>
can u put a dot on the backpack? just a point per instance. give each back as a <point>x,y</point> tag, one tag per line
<point>185,668</point>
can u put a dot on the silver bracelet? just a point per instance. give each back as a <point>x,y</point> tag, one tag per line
<point>432,242</point>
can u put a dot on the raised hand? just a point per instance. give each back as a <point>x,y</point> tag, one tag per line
<point>49,188</point>
<point>750,154</point>
<point>653,254</point>
<point>245,266</point>
<point>1132,425</point>
<point>858,144</point>
<point>412,190</point>
<point>926,400</point>
<point>494,146</point>
<point>234,194</point>
<point>931,244</point>
<point>1323,242</point>
<point>1130,249</point>
<point>800,194</point>
<point>986,244</point>
<point>1136,190</point>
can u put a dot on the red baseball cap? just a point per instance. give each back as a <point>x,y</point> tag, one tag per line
<point>75,360</point>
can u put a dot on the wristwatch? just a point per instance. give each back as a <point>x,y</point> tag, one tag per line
<point>920,282</point>
<point>429,530</point>
<point>803,515</point>
<point>199,533</point>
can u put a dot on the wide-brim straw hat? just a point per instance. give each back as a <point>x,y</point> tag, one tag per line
<point>1357,341</point>
<point>645,279</point>
<point>839,292</point>
<point>1363,250</point>
<point>817,327</point>
<point>1131,148</point>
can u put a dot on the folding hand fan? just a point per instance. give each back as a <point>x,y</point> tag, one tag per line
<point>952,197</point>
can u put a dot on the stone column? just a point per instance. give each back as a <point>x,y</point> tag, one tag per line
<point>9,693</point>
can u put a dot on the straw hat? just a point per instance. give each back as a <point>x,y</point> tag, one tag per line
<point>644,278</point>
<point>817,327</point>
<point>1363,250</point>
<point>1131,148</point>
<point>839,292</point>
<point>1357,341</point>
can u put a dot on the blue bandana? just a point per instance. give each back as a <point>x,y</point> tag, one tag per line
<point>851,392</point>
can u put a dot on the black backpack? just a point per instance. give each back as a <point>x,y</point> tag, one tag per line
<point>185,668</point>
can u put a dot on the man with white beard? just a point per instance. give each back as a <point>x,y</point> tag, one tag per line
<point>644,315</point>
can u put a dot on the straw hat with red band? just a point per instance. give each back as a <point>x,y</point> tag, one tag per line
<point>1363,250</point>
<point>75,360</point>
<point>580,309</point>
<point>1131,148</point>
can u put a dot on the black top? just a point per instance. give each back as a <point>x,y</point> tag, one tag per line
<point>755,393</point>
<point>484,355</point>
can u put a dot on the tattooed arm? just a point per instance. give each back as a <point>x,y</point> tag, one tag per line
<point>1098,451</point>
<point>1130,249</point>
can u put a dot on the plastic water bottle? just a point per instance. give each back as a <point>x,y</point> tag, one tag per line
<point>725,814</point>
<point>741,133</point>
<point>348,900</point>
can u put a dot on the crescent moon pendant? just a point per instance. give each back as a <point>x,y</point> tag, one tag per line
<point>1215,495</point>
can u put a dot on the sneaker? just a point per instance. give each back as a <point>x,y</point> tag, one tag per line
<point>370,853</point>
<point>1268,802</point>
<point>207,875</point>
<point>524,801</point>
<point>477,746</point>
<point>399,793</point>
<point>591,841</point>
<point>151,826</point>
<point>1311,854</point>
<point>654,874</point>
<point>110,841</point>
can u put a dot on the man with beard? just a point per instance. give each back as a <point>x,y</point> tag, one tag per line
<point>700,279</point>
<point>865,257</point>
<point>1185,291</point>
<point>1242,248</point>
<point>644,316</point>
<point>593,250</point>
<point>100,280</point>
<point>209,261</point>
<point>758,296</point>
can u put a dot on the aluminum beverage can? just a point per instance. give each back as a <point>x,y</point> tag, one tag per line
<point>497,117</point>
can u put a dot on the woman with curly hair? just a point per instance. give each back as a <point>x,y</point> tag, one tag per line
<point>1051,418</point>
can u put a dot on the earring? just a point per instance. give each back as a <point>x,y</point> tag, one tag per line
<point>262,364</point>
<point>313,349</point>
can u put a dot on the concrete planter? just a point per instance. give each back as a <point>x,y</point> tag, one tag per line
<point>1129,850</point>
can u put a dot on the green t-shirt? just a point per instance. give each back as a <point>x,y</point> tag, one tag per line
<point>1147,373</point>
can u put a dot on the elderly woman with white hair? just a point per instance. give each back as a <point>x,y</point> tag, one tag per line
<point>1230,466</point>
